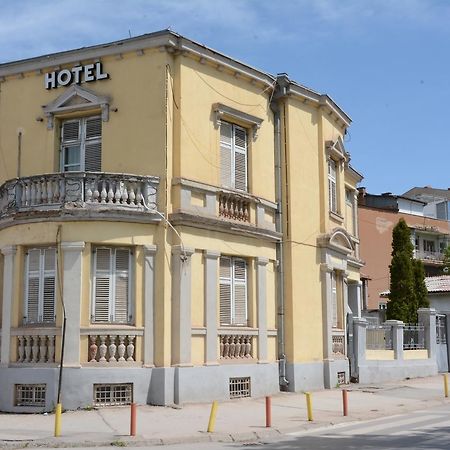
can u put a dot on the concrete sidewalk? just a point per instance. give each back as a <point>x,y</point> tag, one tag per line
<point>237,420</point>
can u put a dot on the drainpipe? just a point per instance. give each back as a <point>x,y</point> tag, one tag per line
<point>274,106</point>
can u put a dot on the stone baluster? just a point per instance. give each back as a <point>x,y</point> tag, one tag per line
<point>43,189</point>
<point>25,195</point>
<point>32,187</point>
<point>93,348</point>
<point>121,348</point>
<point>102,349</point>
<point>248,347</point>
<point>49,191</point>
<point>221,346</point>
<point>226,350</point>
<point>139,196</point>
<point>51,349</point>
<point>124,196</point>
<point>118,192</point>
<point>131,194</point>
<point>103,194</point>
<point>233,347</point>
<point>42,348</point>
<point>56,193</point>
<point>89,185</point>
<point>110,193</point>
<point>35,349</point>
<point>130,348</point>
<point>21,348</point>
<point>28,348</point>
<point>112,349</point>
<point>237,348</point>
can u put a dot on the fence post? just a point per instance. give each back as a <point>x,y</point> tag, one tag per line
<point>397,337</point>
<point>427,318</point>
<point>359,343</point>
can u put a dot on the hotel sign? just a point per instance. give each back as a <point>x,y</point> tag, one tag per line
<point>77,75</point>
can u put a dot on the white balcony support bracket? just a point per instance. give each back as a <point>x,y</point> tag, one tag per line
<point>211,295</point>
<point>8,292</point>
<point>149,306</point>
<point>181,305</point>
<point>72,293</point>
<point>261,293</point>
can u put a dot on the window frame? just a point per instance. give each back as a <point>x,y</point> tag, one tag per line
<point>43,274</point>
<point>112,286</point>
<point>233,149</point>
<point>333,200</point>
<point>233,281</point>
<point>81,143</point>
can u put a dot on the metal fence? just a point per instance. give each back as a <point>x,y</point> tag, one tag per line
<point>413,336</point>
<point>379,337</point>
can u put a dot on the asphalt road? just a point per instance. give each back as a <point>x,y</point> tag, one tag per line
<point>418,430</point>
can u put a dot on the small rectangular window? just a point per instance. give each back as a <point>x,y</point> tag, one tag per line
<point>40,285</point>
<point>233,156</point>
<point>30,394</point>
<point>81,144</point>
<point>113,394</point>
<point>233,291</point>
<point>240,387</point>
<point>111,303</point>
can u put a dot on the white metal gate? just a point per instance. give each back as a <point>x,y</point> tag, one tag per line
<point>441,342</point>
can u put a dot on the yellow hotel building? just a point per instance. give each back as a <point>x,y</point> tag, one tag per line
<point>193,219</point>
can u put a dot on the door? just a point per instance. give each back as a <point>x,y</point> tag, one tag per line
<point>441,342</point>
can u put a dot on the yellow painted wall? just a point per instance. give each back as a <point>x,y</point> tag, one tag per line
<point>383,355</point>
<point>415,354</point>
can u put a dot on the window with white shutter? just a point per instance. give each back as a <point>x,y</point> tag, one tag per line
<point>233,291</point>
<point>233,156</point>
<point>40,285</point>
<point>81,144</point>
<point>111,296</point>
<point>332,185</point>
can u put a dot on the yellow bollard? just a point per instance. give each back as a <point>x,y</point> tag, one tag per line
<point>58,420</point>
<point>445,385</point>
<point>212,417</point>
<point>309,405</point>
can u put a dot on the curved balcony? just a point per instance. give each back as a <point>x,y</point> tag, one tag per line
<point>85,194</point>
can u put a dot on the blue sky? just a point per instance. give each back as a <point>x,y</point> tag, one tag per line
<point>385,62</point>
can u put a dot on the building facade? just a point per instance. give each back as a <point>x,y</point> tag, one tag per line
<point>192,219</point>
<point>378,215</point>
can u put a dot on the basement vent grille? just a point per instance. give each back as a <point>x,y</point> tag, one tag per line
<point>114,394</point>
<point>240,387</point>
<point>30,394</point>
<point>340,378</point>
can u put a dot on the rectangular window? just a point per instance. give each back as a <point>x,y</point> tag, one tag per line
<point>30,394</point>
<point>233,156</point>
<point>332,186</point>
<point>114,394</point>
<point>40,285</point>
<point>428,246</point>
<point>111,285</point>
<point>81,144</point>
<point>233,291</point>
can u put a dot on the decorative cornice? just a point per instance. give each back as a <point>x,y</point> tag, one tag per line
<point>9,250</point>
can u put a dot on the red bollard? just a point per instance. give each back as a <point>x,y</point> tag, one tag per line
<point>133,420</point>
<point>268,412</point>
<point>345,402</point>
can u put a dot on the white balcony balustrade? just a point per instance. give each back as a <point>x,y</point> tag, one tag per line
<point>36,348</point>
<point>112,348</point>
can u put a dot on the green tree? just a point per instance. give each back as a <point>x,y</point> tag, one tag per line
<point>402,303</point>
<point>420,288</point>
<point>446,268</point>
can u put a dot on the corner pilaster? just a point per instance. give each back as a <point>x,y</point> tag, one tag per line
<point>211,296</point>
<point>261,295</point>
<point>149,304</point>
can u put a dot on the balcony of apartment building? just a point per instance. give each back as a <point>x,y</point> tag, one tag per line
<point>430,245</point>
<point>79,195</point>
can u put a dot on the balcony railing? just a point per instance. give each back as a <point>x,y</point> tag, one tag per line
<point>75,190</point>
<point>35,345</point>
<point>112,348</point>
<point>237,347</point>
<point>429,256</point>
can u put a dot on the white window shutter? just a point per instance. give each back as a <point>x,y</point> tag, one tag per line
<point>121,288</point>
<point>32,287</point>
<point>225,290</point>
<point>332,187</point>
<point>102,285</point>
<point>240,158</point>
<point>70,131</point>
<point>93,144</point>
<point>240,292</point>
<point>49,285</point>
<point>226,156</point>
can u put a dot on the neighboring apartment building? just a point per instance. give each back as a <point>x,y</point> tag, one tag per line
<point>378,214</point>
<point>195,218</point>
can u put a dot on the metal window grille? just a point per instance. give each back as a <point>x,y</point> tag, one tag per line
<point>240,387</point>
<point>341,378</point>
<point>379,337</point>
<point>441,332</point>
<point>413,337</point>
<point>30,394</point>
<point>114,394</point>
